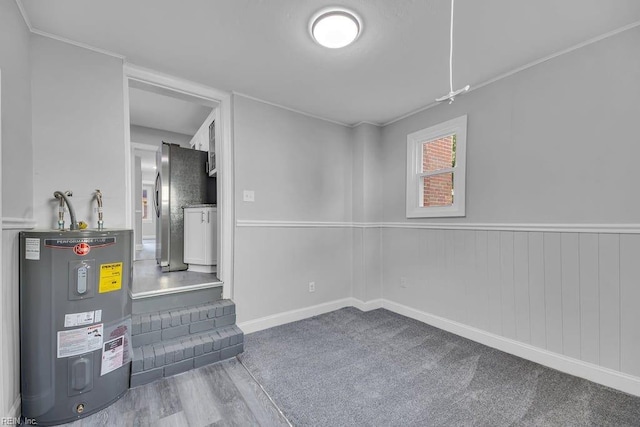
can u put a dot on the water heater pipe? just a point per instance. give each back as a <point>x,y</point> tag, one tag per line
<point>60,213</point>
<point>99,200</point>
<point>72,213</point>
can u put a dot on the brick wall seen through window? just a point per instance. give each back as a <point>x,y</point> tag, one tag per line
<point>436,155</point>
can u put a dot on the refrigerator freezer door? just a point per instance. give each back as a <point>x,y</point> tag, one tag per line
<point>163,181</point>
<point>188,186</point>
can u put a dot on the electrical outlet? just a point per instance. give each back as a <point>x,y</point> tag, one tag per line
<point>312,286</point>
<point>248,196</point>
<point>403,282</point>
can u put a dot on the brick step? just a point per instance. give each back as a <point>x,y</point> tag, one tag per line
<point>151,328</point>
<point>167,358</point>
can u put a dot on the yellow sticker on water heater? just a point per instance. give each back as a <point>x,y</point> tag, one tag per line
<point>110,277</point>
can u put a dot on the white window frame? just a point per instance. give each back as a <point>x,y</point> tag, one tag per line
<point>414,188</point>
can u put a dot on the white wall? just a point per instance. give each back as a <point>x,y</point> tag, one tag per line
<point>78,131</point>
<point>149,136</point>
<point>553,144</point>
<point>149,225</point>
<point>17,189</point>
<point>300,169</point>
<point>137,199</point>
<point>367,208</point>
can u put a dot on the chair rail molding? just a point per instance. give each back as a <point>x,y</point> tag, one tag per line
<point>18,223</point>
<point>547,227</point>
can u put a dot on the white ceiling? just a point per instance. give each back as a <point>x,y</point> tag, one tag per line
<point>157,111</point>
<point>262,48</point>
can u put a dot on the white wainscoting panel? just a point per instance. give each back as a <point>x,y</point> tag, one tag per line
<point>589,299</point>
<point>10,320</point>
<point>553,291</point>
<point>570,262</point>
<point>609,278</point>
<point>564,296</point>
<point>629,300</point>
<point>573,294</point>
<point>273,268</point>
<point>537,311</point>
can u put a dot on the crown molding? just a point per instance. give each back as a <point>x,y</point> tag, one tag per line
<point>293,110</point>
<point>34,30</point>
<point>78,44</point>
<point>364,122</point>
<point>23,12</point>
<point>524,67</point>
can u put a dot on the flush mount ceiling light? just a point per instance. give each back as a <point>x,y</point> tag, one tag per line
<point>335,28</point>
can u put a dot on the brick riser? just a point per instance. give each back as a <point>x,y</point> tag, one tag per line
<point>174,341</point>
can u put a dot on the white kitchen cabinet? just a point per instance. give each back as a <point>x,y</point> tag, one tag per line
<point>200,238</point>
<point>205,139</point>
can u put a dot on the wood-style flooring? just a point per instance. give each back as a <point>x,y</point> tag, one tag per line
<point>149,278</point>
<point>222,394</point>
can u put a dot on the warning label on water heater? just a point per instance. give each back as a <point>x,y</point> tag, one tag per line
<point>79,341</point>
<point>31,248</point>
<point>110,277</point>
<point>112,355</point>
<point>84,318</point>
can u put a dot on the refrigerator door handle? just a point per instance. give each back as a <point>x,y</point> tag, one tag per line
<point>156,195</point>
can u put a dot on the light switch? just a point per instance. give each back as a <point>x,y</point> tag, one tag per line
<point>248,196</point>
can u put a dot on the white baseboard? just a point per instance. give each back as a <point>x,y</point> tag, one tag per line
<point>367,305</point>
<point>293,315</point>
<point>589,371</point>
<point>15,411</point>
<point>597,374</point>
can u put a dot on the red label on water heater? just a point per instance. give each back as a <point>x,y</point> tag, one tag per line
<point>81,249</point>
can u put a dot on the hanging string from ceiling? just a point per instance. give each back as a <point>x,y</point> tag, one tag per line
<point>451,95</point>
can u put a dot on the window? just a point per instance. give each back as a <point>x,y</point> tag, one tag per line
<point>436,170</point>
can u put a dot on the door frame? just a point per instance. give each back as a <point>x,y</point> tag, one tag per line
<point>224,158</point>
<point>138,147</point>
<point>2,267</point>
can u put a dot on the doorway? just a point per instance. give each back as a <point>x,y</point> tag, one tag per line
<point>142,83</point>
<point>144,175</point>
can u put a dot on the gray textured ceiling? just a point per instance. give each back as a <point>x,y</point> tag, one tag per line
<point>263,49</point>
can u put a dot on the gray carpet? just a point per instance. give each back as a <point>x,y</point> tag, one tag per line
<point>378,368</point>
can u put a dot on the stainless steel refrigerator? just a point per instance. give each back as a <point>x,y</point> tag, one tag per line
<point>182,180</point>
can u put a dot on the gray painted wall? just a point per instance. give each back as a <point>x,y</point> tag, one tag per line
<point>78,131</point>
<point>300,170</point>
<point>17,187</point>
<point>149,136</point>
<point>556,143</point>
<point>552,144</point>
<point>298,166</point>
<point>17,167</point>
<point>367,162</point>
